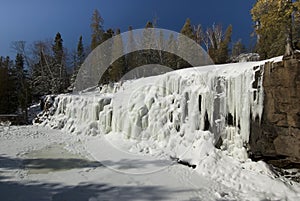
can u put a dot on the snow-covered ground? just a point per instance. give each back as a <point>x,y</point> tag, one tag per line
<point>121,176</point>
<point>101,172</point>
<point>147,139</point>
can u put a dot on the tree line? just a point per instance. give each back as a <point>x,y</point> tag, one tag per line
<point>215,40</point>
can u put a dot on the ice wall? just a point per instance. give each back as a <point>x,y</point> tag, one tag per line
<point>171,110</point>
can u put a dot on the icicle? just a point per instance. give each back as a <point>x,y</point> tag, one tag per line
<point>174,105</point>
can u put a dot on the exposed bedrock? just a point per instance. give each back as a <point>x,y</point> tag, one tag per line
<point>276,138</point>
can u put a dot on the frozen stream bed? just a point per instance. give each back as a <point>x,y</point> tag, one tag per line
<point>54,158</point>
<point>62,169</point>
<point>37,163</point>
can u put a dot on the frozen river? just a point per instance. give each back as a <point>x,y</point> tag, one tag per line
<point>43,164</point>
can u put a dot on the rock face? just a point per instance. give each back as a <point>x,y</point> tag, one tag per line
<point>276,138</point>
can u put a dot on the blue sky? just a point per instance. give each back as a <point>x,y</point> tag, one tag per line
<point>32,20</point>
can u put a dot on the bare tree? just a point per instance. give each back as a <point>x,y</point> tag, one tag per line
<point>214,35</point>
<point>199,35</point>
<point>19,47</point>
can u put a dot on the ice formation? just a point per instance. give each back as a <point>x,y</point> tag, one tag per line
<point>172,110</point>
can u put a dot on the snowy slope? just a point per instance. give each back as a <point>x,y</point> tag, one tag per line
<point>178,116</point>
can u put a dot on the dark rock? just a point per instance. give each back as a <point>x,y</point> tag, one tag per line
<point>276,138</point>
<point>183,162</point>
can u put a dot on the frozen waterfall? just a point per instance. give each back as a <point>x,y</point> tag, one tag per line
<point>172,109</point>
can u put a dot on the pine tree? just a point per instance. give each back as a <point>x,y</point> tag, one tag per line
<point>4,86</point>
<point>108,34</point>
<point>296,25</point>
<point>162,45</point>
<point>118,67</point>
<point>274,26</point>
<point>80,51</point>
<point>58,49</point>
<point>22,86</point>
<point>13,86</point>
<point>8,87</point>
<point>97,29</point>
<point>187,29</point>
<point>131,58</point>
<point>79,57</point>
<point>108,55</point>
<point>171,58</point>
<point>148,56</point>
<point>238,48</point>
<point>60,81</point>
<point>149,25</point>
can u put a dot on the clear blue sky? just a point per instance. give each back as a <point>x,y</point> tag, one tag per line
<point>32,20</point>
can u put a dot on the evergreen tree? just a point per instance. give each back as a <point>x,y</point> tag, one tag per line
<point>149,25</point>
<point>171,59</point>
<point>187,29</point>
<point>80,51</point>
<point>161,45</point>
<point>4,85</point>
<point>296,25</point>
<point>22,86</point>
<point>117,68</point>
<point>12,86</point>
<point>107,35</point>
<point>97,29</point>
<point>238,48</point>
<point>58,49</point>
<point>8,87</point>
<point>148,56</point>
<point>108,55</point>
<point>79,57</point>
<point>131,58</point>
<point>60,81</point>
<point>274,26</point>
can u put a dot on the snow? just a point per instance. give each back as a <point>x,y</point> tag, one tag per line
<point>169,111</point>
<point>143,132</point>
<point>124,176</point>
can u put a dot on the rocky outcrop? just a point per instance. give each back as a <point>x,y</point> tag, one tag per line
<point>276,138</point>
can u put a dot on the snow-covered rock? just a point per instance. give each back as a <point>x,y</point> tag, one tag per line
<point>247,57</point>
<point>171,110</point>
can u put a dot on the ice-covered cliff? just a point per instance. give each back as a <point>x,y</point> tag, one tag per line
<point>171,111</point>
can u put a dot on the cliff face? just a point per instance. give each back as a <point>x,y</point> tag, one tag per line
<point>277,137</point>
